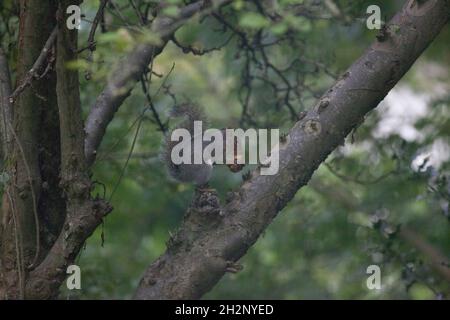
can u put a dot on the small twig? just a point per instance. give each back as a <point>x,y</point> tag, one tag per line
<point>97,19</point>
<point>144,81</point>
<point>119,13</point>
<point>122,173</point>
<point>165,79</point>
<point>138,13</point>
<point>169,93</point>
<point>199,52</point>
<point>357,180</point>
<point>18,245</point>
<point>91,45</point>
<point>33,72</point>
<point>106,154</point>
<point>129,27</point>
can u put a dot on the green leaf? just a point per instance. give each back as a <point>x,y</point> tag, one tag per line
<point>150,38</point>
<point>78,64</point>
<point>120,39</point>
<point>298,23</point>
<point>253,20</point>
<point>171,11</point>
<point>238,5</point>
<point>279,28</point>
<point>4,178</point>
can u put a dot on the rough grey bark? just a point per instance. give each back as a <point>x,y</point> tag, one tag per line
<point>5,117</point>
<point>208,244</point>
<point>22,238</point>
<point>83,214</point>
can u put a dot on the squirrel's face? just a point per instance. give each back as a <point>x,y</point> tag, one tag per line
<point>235,166</point>
<point>198,174</point>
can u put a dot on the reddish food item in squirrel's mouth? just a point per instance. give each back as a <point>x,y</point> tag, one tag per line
<point>235,167</point>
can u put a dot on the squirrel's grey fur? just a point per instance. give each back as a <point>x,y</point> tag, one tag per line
<point>199,174</point>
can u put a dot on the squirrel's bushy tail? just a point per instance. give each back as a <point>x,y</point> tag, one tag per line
<point>190,112</point>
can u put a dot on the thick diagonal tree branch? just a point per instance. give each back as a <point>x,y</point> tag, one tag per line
<point>130,71</point>
<point>207,244</point>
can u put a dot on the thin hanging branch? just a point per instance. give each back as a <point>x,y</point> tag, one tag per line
<point>97,19</point>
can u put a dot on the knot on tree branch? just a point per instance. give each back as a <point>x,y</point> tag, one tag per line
<point>205,211</point>
<point>312,127</point>
<point>206,203</point>
<point>203,215</point>
<point>101,208</point>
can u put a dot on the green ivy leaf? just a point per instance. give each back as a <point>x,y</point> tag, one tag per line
<point>4,178</point>
<point>253,20</point>
<point>171,11</point>
<point>279,28</point>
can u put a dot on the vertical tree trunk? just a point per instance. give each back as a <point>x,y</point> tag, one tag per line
<point>33,207</point>
<point>83,213</point>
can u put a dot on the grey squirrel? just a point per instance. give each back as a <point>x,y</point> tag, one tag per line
<point>199,174</point>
